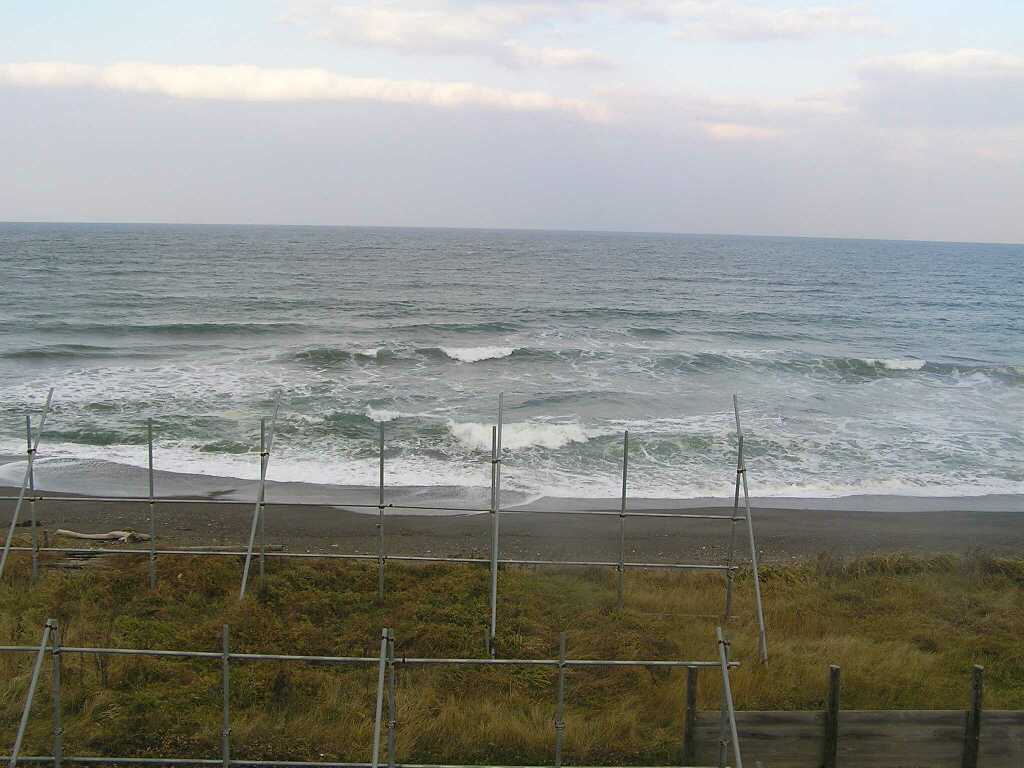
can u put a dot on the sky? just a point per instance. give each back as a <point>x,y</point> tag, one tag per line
<point>875,118</point>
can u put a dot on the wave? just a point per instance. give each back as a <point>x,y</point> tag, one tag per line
<point>330,356</point>
<point>518,435</point>
<point>615,313</point>
<point>895,364</point>
<point>179,328</point>
<point>476,354</point>
<point>516,354</point>
<point>94,436</point>
<point>482,327</point>
<point>857,367</point>
<point>651,333</point>
<point>76,351</point>
<point>387,414</point>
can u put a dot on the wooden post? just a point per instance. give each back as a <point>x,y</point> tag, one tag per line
<point>972,728</point>
<point>690,717</point>
<point>832,719</point>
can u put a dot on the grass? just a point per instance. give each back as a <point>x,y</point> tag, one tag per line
<point>905,630</point>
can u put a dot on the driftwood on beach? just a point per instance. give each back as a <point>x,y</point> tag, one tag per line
<point>127,536</point>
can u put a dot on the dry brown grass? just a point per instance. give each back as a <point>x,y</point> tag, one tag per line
<point>905,630</point>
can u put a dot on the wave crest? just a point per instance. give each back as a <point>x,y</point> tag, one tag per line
<point>896,364</point>
<point>517,435</point>
<point>328,356</point>
<point>476,354</point>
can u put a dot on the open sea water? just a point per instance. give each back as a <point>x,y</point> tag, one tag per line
<point>862,367</point>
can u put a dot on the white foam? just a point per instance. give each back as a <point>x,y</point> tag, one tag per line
<point>476,354</point>
<point>386,414</point>
<point>71,467</point>
<point>65,463</point>
<point>524,434</point>
<point>896,364</point>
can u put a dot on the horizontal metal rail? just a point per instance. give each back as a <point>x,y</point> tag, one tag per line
<point>373,660</point>
<point>385,662</point>
<point>280,763</point>
<point>470,510</point>
<point>405,558</point>
<point>230,502</point>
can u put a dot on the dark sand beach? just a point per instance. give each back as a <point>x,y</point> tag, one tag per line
<point>783,533</point>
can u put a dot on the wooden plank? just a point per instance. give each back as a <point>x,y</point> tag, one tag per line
<point>1002,738</point>
<point>880,739</point>
<point>901,739</point>
<point>774,738</point>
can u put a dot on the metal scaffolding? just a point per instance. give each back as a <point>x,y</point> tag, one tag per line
<point>740,513</point>
<point>385,709</point>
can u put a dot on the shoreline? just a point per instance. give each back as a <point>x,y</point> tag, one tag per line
<point>783,533</point>
<point>105,478</point>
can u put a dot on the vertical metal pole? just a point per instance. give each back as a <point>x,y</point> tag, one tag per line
<point>489,629</point>
<point>727,704</point>
<point>225,667</point>
<point>690,717</point>
<point>58,727</point>
<point>32,499</point>
<point>622,520</point>
<point>384,636</point>
<point>723,729</point>
<point>972,728</point>
<point>392,702</point>
<point>762,633</point>
<point>152,508</point>
<point>263,505</point>
<point>495,515</point>
<point>24,483</point>
<point>560,707</point>
<point>50,624</point>
<point>256,516</point>
<point>380,515</point>
<point>832,718</point>
<point>730,575</point>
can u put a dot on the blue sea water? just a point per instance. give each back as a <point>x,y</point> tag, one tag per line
<point>861,366</point>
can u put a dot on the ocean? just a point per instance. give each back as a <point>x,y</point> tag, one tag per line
<point>862,367</point>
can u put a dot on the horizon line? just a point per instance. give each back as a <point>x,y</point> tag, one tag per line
<point>562,230</point>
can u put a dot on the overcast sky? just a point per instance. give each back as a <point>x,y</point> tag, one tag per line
<point>894,118</point>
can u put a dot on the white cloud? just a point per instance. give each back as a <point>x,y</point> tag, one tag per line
<point>740,132</point>
<point>738,22</point>
<point>965,63</point>
<point>689,113</point>
<point>250,83</point>
<point>548,57</point>
<point>965,87</point>
<point>442,28</point>
<point>491,30</point>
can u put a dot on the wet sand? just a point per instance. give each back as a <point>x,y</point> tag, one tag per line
<point>783,533</point>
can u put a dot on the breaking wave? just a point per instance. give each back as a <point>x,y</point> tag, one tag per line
<point>325,357</point>
<point>476,354</point>
<point>895,364</point>
<point>517,435</point>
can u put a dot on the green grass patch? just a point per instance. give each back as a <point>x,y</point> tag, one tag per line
<point>905,630</point>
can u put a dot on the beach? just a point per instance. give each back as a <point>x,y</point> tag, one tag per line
<point>784,533</point>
